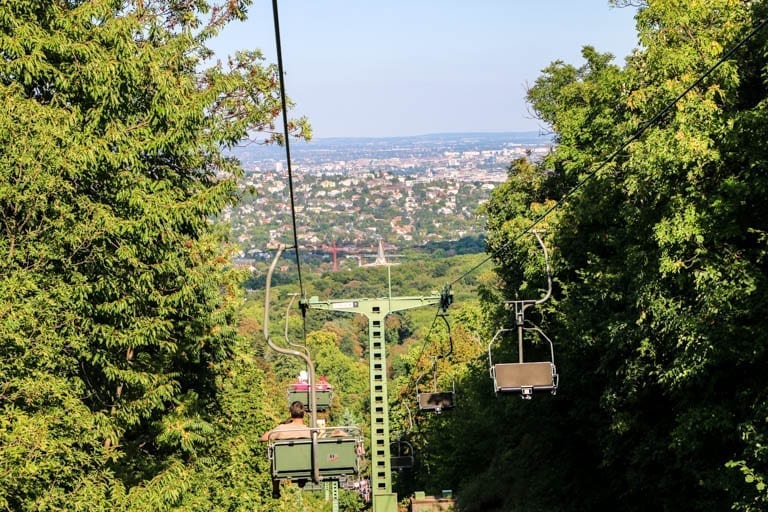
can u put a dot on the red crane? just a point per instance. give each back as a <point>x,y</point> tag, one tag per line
<point>333,251</point>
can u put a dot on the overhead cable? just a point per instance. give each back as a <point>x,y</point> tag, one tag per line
<point>286,140</point>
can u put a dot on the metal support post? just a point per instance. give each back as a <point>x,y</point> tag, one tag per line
<point>376,310</point>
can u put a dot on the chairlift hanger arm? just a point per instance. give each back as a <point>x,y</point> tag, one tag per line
<point>521,305</point>
<point>444,316</point>
<point>432,369</point>
<point>433,366</point>
<point>287,314</point>
<point>282,350</point>
<point>546,297</point>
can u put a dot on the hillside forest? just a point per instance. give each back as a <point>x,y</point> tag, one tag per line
<point>134,374</point>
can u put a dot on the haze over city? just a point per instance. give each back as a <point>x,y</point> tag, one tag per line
<point>398,68</point>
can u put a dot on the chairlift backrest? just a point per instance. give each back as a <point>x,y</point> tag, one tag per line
<point>524,377</point>
<point>437,401</point>
<point>300,392</point>
<point>336,456</point>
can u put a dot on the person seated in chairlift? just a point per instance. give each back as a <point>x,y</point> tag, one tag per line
<point>302,381</point>
<point>322,384</point>
<point>293,428</point>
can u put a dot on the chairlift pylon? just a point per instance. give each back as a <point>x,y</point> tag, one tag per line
<point>434,400</point>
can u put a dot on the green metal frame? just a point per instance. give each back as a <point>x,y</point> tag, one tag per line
<point>293,458</point>
<point>376,310</point>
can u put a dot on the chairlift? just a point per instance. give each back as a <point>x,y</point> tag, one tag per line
<point>525,377</point>
<point>435,401</point>
<point>438,401</point>
<point>323,394</point>
<point>327,453</point>
<point>401,452</point>
<point>319,457</point>
<point>401,455</point>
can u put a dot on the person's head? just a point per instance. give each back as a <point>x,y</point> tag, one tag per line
<point>297,409</point>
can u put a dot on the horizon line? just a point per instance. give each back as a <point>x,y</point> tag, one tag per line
<point>537,133</point>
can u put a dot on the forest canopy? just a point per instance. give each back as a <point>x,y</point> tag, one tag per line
<point>121,376</point>
<point>133,371</point>
<point>660,271</point>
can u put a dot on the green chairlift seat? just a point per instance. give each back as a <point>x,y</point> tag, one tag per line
<point>336,456</point>
<point>323,396</point>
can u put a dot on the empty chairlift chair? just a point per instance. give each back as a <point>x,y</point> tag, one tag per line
<point>401,455</point>
<point>435,401</point>
<point>524,377</point>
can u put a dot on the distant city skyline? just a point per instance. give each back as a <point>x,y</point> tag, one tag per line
<point>398,68</point>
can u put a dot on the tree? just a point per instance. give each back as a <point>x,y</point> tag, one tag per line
<point>118,304</point>
<point>660,271</point>
<point>348,377</point>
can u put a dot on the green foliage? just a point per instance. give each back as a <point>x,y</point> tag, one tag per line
<point>118,310</point>
<point>128,381</point>
<point>349,378</point>
<point>660,281</point>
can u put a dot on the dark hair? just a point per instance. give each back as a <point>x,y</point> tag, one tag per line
<point>297,409</point>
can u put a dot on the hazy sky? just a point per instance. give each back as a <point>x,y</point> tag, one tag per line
<point>378,68</point>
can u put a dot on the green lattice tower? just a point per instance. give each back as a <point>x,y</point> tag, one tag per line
<point>376,310</point>
<point>332,493</point>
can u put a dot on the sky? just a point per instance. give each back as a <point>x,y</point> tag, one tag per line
<point>385,68</point>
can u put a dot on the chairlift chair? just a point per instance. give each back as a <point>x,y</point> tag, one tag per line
<point>435,401</point>
<point>438,401</point>
<point>300,392</point>
<point>317,458</point>
<point>401,455</point>
<point>524,377</point>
